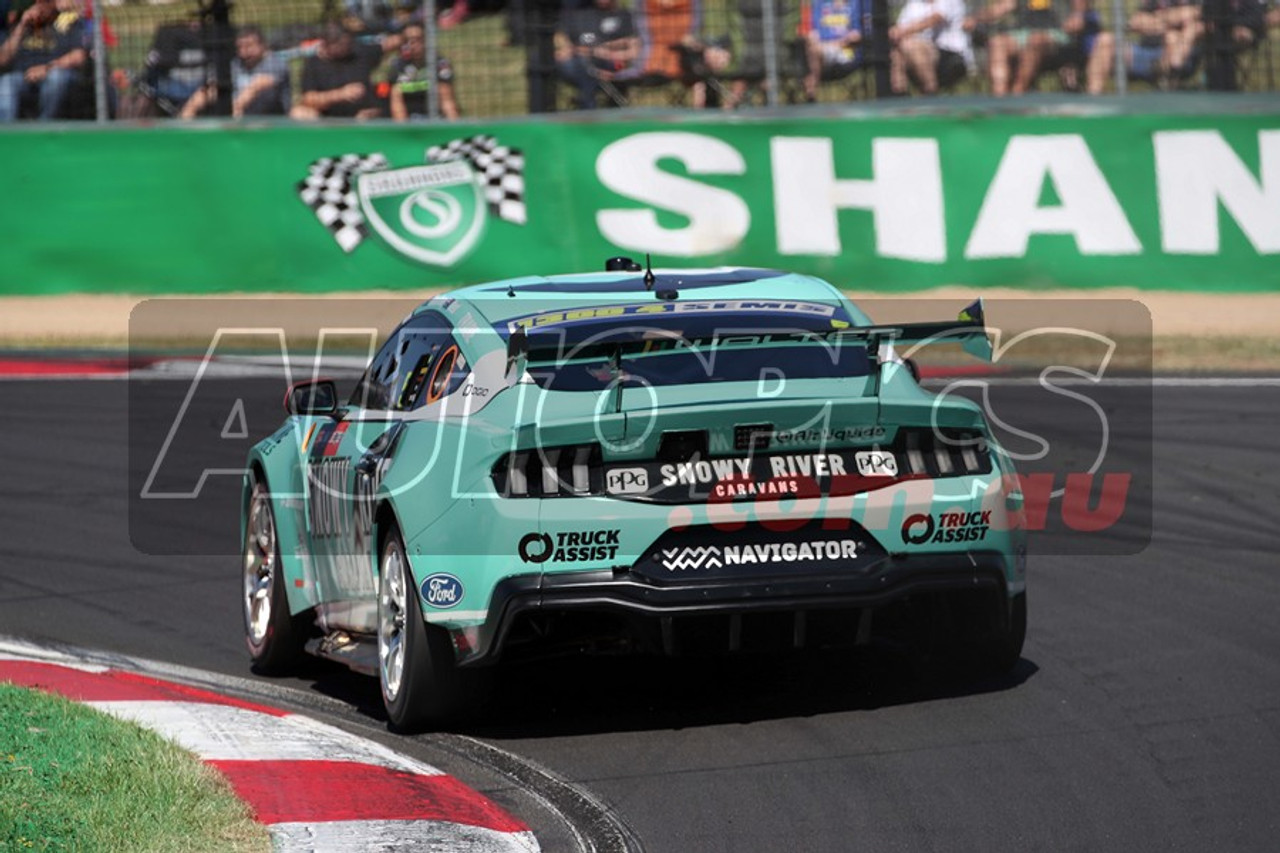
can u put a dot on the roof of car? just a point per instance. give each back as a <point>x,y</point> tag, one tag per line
<point>500,301</point>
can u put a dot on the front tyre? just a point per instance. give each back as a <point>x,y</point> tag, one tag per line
<point>420,681</point>
<point>274,637</point>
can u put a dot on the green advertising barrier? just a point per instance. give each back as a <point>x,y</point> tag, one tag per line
<point>895,203</point>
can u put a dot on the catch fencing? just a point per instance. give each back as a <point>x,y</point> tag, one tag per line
<point>504,59</point>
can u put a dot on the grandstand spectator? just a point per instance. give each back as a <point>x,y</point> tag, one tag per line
<point>43,55</point>
<point>665,27</point>
<point>1028,35</point>
<point>703,63</point>
<point>259,81</point>
<point>1165,44</point>
<point>929,45</point>
<point>834,44</point>
<point>176,66</point>
<point>596,49</point>
<point>371,15</point>
<point>337,81</point>
<point>746,49</point>
<point>410,80</point>
<point>1180,26</point>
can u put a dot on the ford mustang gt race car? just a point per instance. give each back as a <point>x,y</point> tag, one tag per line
<point>634,460</point>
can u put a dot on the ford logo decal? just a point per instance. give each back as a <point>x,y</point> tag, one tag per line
<point>442,590</point>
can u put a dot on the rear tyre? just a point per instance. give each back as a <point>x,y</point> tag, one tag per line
<point>1000,653</point>
<point>421,685</point>
<point>274,637</point>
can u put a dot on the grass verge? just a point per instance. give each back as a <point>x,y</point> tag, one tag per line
<point>73,778</point>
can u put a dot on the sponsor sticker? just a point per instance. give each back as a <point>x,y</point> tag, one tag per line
<point>828,434</point>
<point>569,546</point>
<point>876,463</point>
<point>941,528</point>
<point>649,309</point>
<point>626,481</point>
<point>442,591</point>
<point>692,559</point>
<point>335,439</point>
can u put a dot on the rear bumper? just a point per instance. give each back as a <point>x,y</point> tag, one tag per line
<point>622,591</point>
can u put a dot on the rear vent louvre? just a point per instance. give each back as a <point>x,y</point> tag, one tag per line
<point>752,436</point>
<point>570,471</point>
<point>943,453</point>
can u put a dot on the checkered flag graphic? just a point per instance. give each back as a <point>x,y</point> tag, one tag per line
<point>329,190</point>
<point>501,170</point>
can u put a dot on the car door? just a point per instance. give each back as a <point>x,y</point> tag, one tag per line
<point>345,462</point>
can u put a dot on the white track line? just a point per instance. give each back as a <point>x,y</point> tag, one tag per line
<point>381,836</point>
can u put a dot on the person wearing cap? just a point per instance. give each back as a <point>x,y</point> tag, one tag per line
<point>596,47</point>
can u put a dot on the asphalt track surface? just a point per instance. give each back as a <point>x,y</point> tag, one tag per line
<point>1145,713</point>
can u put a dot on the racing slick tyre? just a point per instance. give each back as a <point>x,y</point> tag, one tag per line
<point>420,681</point>
<point>274,637</point>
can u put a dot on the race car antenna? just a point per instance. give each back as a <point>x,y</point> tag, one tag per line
<point>649,277</point>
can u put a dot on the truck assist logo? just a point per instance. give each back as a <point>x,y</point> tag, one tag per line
<point>569,546</point>
<point>946,527</point>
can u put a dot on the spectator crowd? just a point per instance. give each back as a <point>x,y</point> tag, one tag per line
<point>368,59</point>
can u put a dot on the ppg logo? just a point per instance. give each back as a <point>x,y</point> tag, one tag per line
<point>876,463</point>
<point>626,481</point>
<point>442,591</point>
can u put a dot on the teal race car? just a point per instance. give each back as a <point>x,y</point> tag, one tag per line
<point>659,461</point>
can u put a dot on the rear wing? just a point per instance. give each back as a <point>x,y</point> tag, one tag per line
<point>969,330</point>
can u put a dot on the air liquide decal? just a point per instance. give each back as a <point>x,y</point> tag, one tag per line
<point>946,527</point>
<point>584,546</point>
<point>435,213</point>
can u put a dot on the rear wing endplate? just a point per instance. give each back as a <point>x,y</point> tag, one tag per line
<point>969,330</point>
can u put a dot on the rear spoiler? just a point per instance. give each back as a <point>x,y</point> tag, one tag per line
<point>969,330</point>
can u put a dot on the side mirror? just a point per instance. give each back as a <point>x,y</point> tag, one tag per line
<point>312,397</point>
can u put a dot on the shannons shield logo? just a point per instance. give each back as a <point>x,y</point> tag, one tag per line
<point>434,213</point>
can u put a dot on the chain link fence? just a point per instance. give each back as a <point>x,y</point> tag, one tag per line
<point>445,59</point>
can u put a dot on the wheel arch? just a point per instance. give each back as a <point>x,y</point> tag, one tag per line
<point>300,596</point>
<point>385,519</point>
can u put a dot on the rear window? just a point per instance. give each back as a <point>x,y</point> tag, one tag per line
<point>692,366</point>
<point>694,347</point>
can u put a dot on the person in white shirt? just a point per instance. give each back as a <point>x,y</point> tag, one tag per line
<point>929,45</point>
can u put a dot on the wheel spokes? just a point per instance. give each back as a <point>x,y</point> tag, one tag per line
<point>391,622</point>
<point>259,568</point>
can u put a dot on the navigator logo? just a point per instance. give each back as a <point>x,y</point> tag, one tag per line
<point>690,559</point>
